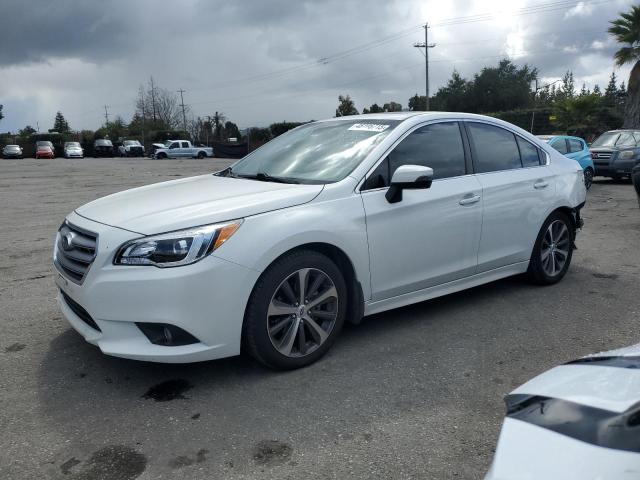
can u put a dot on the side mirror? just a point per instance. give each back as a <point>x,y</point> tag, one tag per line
<point>408,177</point>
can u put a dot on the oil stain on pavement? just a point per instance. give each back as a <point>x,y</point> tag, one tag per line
<point>169,390</point>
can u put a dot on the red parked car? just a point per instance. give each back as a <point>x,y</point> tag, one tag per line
<point>44,151</point>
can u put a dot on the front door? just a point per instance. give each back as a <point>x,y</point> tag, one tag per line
<point>431,236</point>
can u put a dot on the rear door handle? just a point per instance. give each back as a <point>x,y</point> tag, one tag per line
<point>468,200</point>
<point>540,184</point>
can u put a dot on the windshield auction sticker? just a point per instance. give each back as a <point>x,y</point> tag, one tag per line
<point>369,127</point>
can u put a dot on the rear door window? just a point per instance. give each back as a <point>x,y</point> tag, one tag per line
<point>560,144</point>
<point>529,153</point>
<point>575,145</point>
<point>495,148</point>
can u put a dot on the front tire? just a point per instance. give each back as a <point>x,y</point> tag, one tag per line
<point>553,250</point>
<point>201,155</point>
<point>296,311</point>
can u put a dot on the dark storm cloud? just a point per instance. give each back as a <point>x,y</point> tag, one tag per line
<point>35,31</point>
<point>260,61</point>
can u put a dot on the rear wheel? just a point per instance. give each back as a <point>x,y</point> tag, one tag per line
<point>553,250</point>
<point>296,311</point>
<point>588,178</point>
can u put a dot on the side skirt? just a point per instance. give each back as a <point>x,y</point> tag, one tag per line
<point>445,288</point>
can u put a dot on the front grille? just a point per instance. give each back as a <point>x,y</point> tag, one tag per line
<point>75,251</point>
<point>135,151</point>
<point>79,311</point>
<point>601,155</point>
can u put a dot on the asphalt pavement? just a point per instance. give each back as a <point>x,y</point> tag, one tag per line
<point>412,393</point>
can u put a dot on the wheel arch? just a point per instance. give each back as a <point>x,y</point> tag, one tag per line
<point>355,310</point>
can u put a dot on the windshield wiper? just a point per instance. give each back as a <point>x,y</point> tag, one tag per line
<point>227,172</point>
<point>265,177</point>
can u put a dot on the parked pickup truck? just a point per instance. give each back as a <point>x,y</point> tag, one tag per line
<point>182,148</point>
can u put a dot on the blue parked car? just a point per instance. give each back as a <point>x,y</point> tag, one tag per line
<point>575,148</point>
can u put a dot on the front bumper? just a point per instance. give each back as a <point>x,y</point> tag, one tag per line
<point>206,299</point>
<point>614,166</point>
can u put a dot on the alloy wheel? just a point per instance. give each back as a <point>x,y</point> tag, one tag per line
<point>555,248</point>
<point>302,312</point>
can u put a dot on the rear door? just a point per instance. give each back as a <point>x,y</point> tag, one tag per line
<point>517,185</point>
<point>186,150</point>
<point>431,236</point>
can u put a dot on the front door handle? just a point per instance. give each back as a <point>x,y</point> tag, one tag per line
<point>540,184</point>
<point>470,200</point>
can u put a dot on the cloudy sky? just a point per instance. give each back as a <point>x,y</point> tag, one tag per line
<point>262,61</point>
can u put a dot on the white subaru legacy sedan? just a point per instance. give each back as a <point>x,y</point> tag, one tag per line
<point>327,223</point>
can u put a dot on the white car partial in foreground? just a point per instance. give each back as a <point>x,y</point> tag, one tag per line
<point>578,421</point>
<point>327,223</point>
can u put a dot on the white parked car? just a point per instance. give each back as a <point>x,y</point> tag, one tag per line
<point>182,149</point>
<point>131,148</point>
<point>577,421</point>
<point>327,223</point>
<point>73,149</point>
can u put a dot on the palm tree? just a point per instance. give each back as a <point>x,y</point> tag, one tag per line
<point>626,31</point>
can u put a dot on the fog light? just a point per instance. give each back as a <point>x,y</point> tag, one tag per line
<point>166,335</point>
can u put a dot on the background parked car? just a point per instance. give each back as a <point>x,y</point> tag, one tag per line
<point>575,421</point>
<point>575,148</point>
<point>45,151</point>
<point>73,149</point>
<point>103,148</point>
<point>131,148</point>
<point>12,151</point>
<point>45,143</point>
<point>616,152</point>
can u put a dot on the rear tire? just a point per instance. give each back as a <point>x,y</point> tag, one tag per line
<point>588,178</point>
<point>553,250</point>
<point>296,311</point>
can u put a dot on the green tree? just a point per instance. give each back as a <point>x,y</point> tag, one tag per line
<point>116,129</point>
<point>568,88</point>
<point>375,108</point>
<point>418,103</point>
<point>26,131</point>
<point>453,97</point>
<point>611,90</point>
<point>60,124</point>
<point>231,130</point>
<point>345,107</point>
<point>500,88</point>
<point>626,31</point>
<point>392,107</point>
<point>596,90</point>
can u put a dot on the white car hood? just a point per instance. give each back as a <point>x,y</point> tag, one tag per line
<point>188,202</point>
<point>574,422</point>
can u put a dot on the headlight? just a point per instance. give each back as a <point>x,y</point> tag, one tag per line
<point>626,155</point>
<point>178,248</point>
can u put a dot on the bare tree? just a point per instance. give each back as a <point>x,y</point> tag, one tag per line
<point>159,107</point>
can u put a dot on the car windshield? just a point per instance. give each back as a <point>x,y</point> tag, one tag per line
<point>167,143</point>
<point>130,143</point>
<point>12,147</point>
<point>321,152</point>
<point>103,143</point>
<point>73,144</point>
<point>43,143</point>
<point>611,139</point>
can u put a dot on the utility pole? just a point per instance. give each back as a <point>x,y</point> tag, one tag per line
<point>426,45</point>
<point>184,118</point>
<point>153,99</point>
<point>106,115</point>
